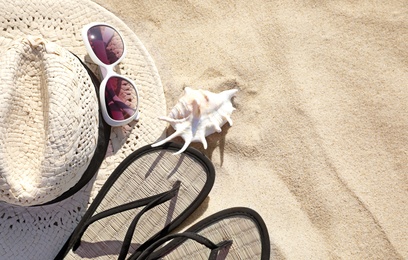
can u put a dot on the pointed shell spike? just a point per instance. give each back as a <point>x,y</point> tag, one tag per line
<point>186,144</point>
<point>203,141</point>
<point>229,120</point>
<point>175,134</point>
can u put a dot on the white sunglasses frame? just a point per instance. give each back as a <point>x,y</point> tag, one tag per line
<point>107,72</point>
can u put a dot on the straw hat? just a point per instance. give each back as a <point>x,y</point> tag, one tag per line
<point>50,127</point>
<point>48,121</point>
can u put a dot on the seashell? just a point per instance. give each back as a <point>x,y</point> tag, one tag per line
<point>198,114</point>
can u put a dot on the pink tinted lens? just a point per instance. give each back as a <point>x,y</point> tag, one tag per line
<point>106,43</point>
<point>120,98</point>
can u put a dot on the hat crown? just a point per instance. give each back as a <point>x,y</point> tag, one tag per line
<point>48,121</point>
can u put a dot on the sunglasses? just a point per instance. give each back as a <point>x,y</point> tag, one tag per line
<point>118,95</point>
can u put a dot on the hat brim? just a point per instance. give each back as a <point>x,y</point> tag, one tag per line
<point>40,232</point>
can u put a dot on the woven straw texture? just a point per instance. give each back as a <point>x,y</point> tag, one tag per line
<point>151,174</point>
<point>43,152</point>
<point>40,232</point>
<point>241,230</point>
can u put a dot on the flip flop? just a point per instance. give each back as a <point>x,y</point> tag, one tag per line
<point>235,233</point>
<point>147,196</point>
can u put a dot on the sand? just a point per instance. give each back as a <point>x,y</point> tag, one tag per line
<point>319,141</point>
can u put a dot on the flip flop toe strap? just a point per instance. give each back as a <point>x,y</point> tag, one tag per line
<point>150,254</point>
<point>148,203</point>
<point>129,234</point>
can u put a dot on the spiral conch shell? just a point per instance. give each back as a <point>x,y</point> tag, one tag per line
<point>198,114</point>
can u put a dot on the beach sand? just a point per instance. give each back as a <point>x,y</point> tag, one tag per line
<point>319,141</point>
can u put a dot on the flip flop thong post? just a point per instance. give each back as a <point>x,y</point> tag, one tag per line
<point>147,196</point>
<point>235,233</point>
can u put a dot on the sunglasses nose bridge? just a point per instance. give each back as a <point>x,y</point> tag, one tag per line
<point>105,70</point>
<point>108,70</point>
